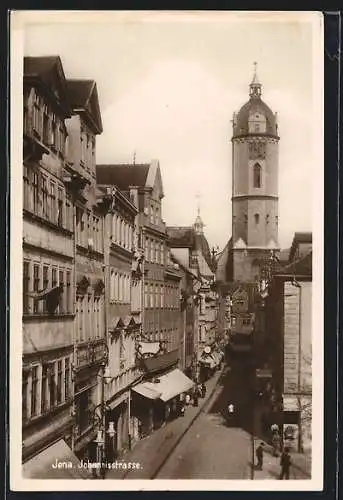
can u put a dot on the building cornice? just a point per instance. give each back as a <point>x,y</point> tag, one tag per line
<point>254,197</point>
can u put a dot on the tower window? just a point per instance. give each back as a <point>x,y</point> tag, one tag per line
<point>257,218</point>
<point>257,175</point>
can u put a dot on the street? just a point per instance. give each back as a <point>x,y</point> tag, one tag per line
<point>212,449</point>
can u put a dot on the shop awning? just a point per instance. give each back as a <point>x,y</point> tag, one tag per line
<point>174,383</point>
<point>43,465</point>
<point>148,390</point>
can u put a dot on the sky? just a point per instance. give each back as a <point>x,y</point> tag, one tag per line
<point>168,87</point>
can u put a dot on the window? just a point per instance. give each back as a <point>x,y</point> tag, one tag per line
<point>66,379</point>
<point>25,381</point>
<point>45,283</point>
<point>35,190</point>
<point>62,305</point>
<point>34,391</point>
<point>59,381</point>
<point>52,385</point>
<point>26,286</point>
<point>257,176</point>
<point>35,286</point>
<point>37,115</point>
<point>60,217</point>
<point>54,277</point>
<point>69,304</point>
<point>46,134</point>
<point>257,218</point>
<point>44,390</point>
<point>52,201</point>
<point>44,182</point>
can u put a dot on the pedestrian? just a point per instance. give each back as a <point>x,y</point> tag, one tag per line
<point>188,399</point>
<point>182,410</point>
<point>259,456</point>
<point>195,399</point>
<point>285,463</point>
<point>203,390</point>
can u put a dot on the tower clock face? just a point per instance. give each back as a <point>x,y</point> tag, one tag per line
<point>257,149</point>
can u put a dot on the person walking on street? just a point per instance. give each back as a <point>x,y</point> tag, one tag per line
<point>285,463</point>
<point>259,456</point>
<point>203,390</point>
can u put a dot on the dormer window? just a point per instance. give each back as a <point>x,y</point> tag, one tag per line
<point>257,175</point>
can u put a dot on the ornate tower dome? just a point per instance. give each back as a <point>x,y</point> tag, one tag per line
<point>255,115</point>
<point>254,184</point>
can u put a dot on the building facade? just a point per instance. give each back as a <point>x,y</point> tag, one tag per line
<point>48,261</point>
<point>123,313</point>
<point>289,316</point>
<point>90,320</point>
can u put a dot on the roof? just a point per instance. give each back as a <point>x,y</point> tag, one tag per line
<point>303,237</point>
<point>123,175</point>
<point>47,71</point>
<point>201,244</point>
<point>82,94</point>
<point>181,237</point>
<point>300,267</point>
<point>252,106</point>
<point>79,92</point>
<point>299,237</point>
<point>284,254</point>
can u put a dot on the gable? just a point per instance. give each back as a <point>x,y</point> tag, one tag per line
<point>154,179</point>
<point>47,73</point>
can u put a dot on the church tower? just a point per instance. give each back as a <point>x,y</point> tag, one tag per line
<point>254,185</point>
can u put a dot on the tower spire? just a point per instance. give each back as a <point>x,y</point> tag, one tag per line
<point>255,88</point>
<point>198,224</point>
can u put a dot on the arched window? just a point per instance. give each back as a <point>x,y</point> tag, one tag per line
<point>257,218</point>
<point>257,175</point>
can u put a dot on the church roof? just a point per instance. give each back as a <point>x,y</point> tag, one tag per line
<point>254,105</point>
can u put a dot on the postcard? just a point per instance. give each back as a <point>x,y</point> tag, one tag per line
<point>167,217</point>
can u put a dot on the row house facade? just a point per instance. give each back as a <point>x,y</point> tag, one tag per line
<point>190,247</point>
<point>123,312</point>
<point>90,320</point>
<point>288,305</point>
<point>158,341</point>
<point>48,261</point>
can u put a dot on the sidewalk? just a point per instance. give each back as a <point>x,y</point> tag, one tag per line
<point>301,462</point>
<point>152,451</point>
<point>300,468</point>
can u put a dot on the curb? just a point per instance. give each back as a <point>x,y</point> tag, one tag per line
<point>179,438</point>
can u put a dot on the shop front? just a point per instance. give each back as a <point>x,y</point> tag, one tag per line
<point>117,419</point>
